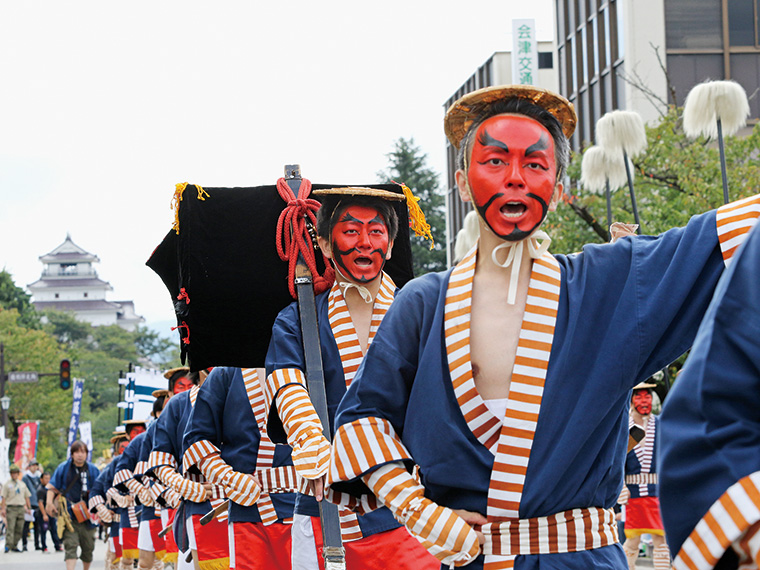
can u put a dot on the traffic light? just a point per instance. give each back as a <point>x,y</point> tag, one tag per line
<point>65,379</point>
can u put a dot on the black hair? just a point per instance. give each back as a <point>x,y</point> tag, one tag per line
<point>334,205</point>
<point>531,110</point>
<point>78,445</point>
<point>158,405</point>
<point>194,377</point>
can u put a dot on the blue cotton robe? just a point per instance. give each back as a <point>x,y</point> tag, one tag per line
<point>286,351</point>
<point>625,310</point>
<point>128,460</point>
<point>223,416</point>
<point>711,418</point>
<point>62,477</point>
<point>633,465</point>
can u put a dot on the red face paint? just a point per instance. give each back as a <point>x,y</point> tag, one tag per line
<point>642,402</point>
<point>134,431</point>
<point>122,446</point>
<point>512,174</point>
<point>360,243</point>
<point>181,384</point>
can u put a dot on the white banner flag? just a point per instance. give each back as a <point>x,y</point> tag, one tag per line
<point>85,434</point>
<point>524,52</point>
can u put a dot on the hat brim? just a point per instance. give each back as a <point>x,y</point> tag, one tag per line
<point>169,373</point>
<point>360,191</point>
<point>644,386</point>
<point>159,393</point>
<point>465,111</point>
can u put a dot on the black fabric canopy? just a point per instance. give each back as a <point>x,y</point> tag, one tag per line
<point>225,260</point>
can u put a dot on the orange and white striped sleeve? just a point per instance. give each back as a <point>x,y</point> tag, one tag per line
<point>239,487</point>
<point>311,451</point>
<point>732,521</point>
<point>440,530</point>
<point>190,490</point>
<point>734,222</point>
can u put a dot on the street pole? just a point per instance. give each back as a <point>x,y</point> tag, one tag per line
<point>2,388</point>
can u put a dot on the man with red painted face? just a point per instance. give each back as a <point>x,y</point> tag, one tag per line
<point>642,509</point>
<point>489,410</point>
<point>356,228</point>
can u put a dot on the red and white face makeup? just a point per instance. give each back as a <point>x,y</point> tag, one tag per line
<point>642,402</point>
<point>182,384</point>
<point>135,430</point>
<point>360,243</point>
<point>512,175</point>
<point>122,446</point>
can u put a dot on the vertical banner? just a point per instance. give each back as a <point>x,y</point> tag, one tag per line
<point>76,408</point>
<point>138,397</point>
<point>85,434</point>
<point>26,445</point>
<point>524,52</point>
<point>5,448</point>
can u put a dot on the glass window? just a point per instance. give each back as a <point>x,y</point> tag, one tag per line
<point>693,24</point>
<point>572,64</point>
<point>620,30</point>
<point>607,43</point>
<point>741,22</point>
<point>595,45</point>
<point>584,54</point>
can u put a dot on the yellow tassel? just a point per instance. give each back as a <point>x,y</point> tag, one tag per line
<point>417,220</point>
<point>170,558</point>
<point>179,191</point>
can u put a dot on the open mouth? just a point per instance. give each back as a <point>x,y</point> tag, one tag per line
<point>513,209</point>
<point>363,261</point>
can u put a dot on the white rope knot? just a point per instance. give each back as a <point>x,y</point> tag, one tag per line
<point>346,285</point>
<point>414,506</point>
<point>538,244</point>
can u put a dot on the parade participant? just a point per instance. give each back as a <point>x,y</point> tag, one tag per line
<point>102,504</point>
<point>710,450</point>
<point>642,507</point>
<point>208,543</point>
<point>67,495</point>
<point>226,439</point>
<point>46,523</point>
<point>356,228</point>
<point>15,504</point>
<point>129,517</point>
<point>32,481</point>
<point>494,398</point>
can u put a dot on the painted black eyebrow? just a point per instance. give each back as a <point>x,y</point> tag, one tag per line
<point>541,144</point>
<point>487,140</point>
<point>346,217</point>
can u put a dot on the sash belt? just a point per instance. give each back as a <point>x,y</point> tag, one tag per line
<point>567,531</point>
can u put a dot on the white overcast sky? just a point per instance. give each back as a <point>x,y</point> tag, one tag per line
<point>104,106</point>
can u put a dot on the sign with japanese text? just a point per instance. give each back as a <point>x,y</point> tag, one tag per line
<point>524,52</point>
<point>26,445</point>
<point>76,409</point>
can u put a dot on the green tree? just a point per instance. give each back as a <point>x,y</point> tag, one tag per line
<point>408,164</point>
<point>675,178</point>
<point>13,297</point>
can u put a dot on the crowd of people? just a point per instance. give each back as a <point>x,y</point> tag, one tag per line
<point>486,417</point>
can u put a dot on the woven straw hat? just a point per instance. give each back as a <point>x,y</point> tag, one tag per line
<point>644,386</point>
<point>461,115</point>
<point>360,191</point>
<point>168,374</point>
<point>118,437</point>
<point>159,393</point>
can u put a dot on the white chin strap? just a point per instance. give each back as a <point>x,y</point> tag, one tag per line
<point>347,284</point>
<point>538,244</point>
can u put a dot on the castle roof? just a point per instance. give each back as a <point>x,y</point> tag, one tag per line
<point>69,252</point>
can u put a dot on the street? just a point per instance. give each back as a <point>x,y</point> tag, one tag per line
<point>52,560</point>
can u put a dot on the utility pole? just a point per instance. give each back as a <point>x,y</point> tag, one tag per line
<point>2,388</point>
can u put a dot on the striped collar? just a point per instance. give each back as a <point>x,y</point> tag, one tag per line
<point>343,327</point>
<point>510,439</point>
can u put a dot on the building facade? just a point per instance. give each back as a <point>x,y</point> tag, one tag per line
<point>70,283</point>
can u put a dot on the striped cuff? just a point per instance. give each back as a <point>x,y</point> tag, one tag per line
<point>239,487</point>
<point>277,479</point>
<point>748,548</point>
<point>94,501</point>
<point>363,445</point>
<point>724,523</point>
<point>161,458</point>
<point>734,221</point>
<point>155,490</point>
<point>140,468</point>
<point>196,453</point>
<point>190,490</point>
<point>277,380</point>
<point>121,478</point>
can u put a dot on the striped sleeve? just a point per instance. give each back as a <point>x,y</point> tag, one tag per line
<point>94,501</point>
<point>277,380</point>
<point>121,477</point>
<point>196,452</point>
<point>362,445</point>
<point>734,221</point>
<point>727,520</point>
<point>161,458</point>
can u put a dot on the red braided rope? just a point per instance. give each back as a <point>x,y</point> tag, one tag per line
<point>298,241</point>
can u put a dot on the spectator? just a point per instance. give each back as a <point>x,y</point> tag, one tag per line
<point>32,481</point>
<point>69,486</point>
<point>42,522</point>
<point>15,504</point>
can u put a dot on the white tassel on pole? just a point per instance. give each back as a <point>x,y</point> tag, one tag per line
<point>622,132</point>
<point>599,167</point>
<point>715,109</point>
<point>713,100</point>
